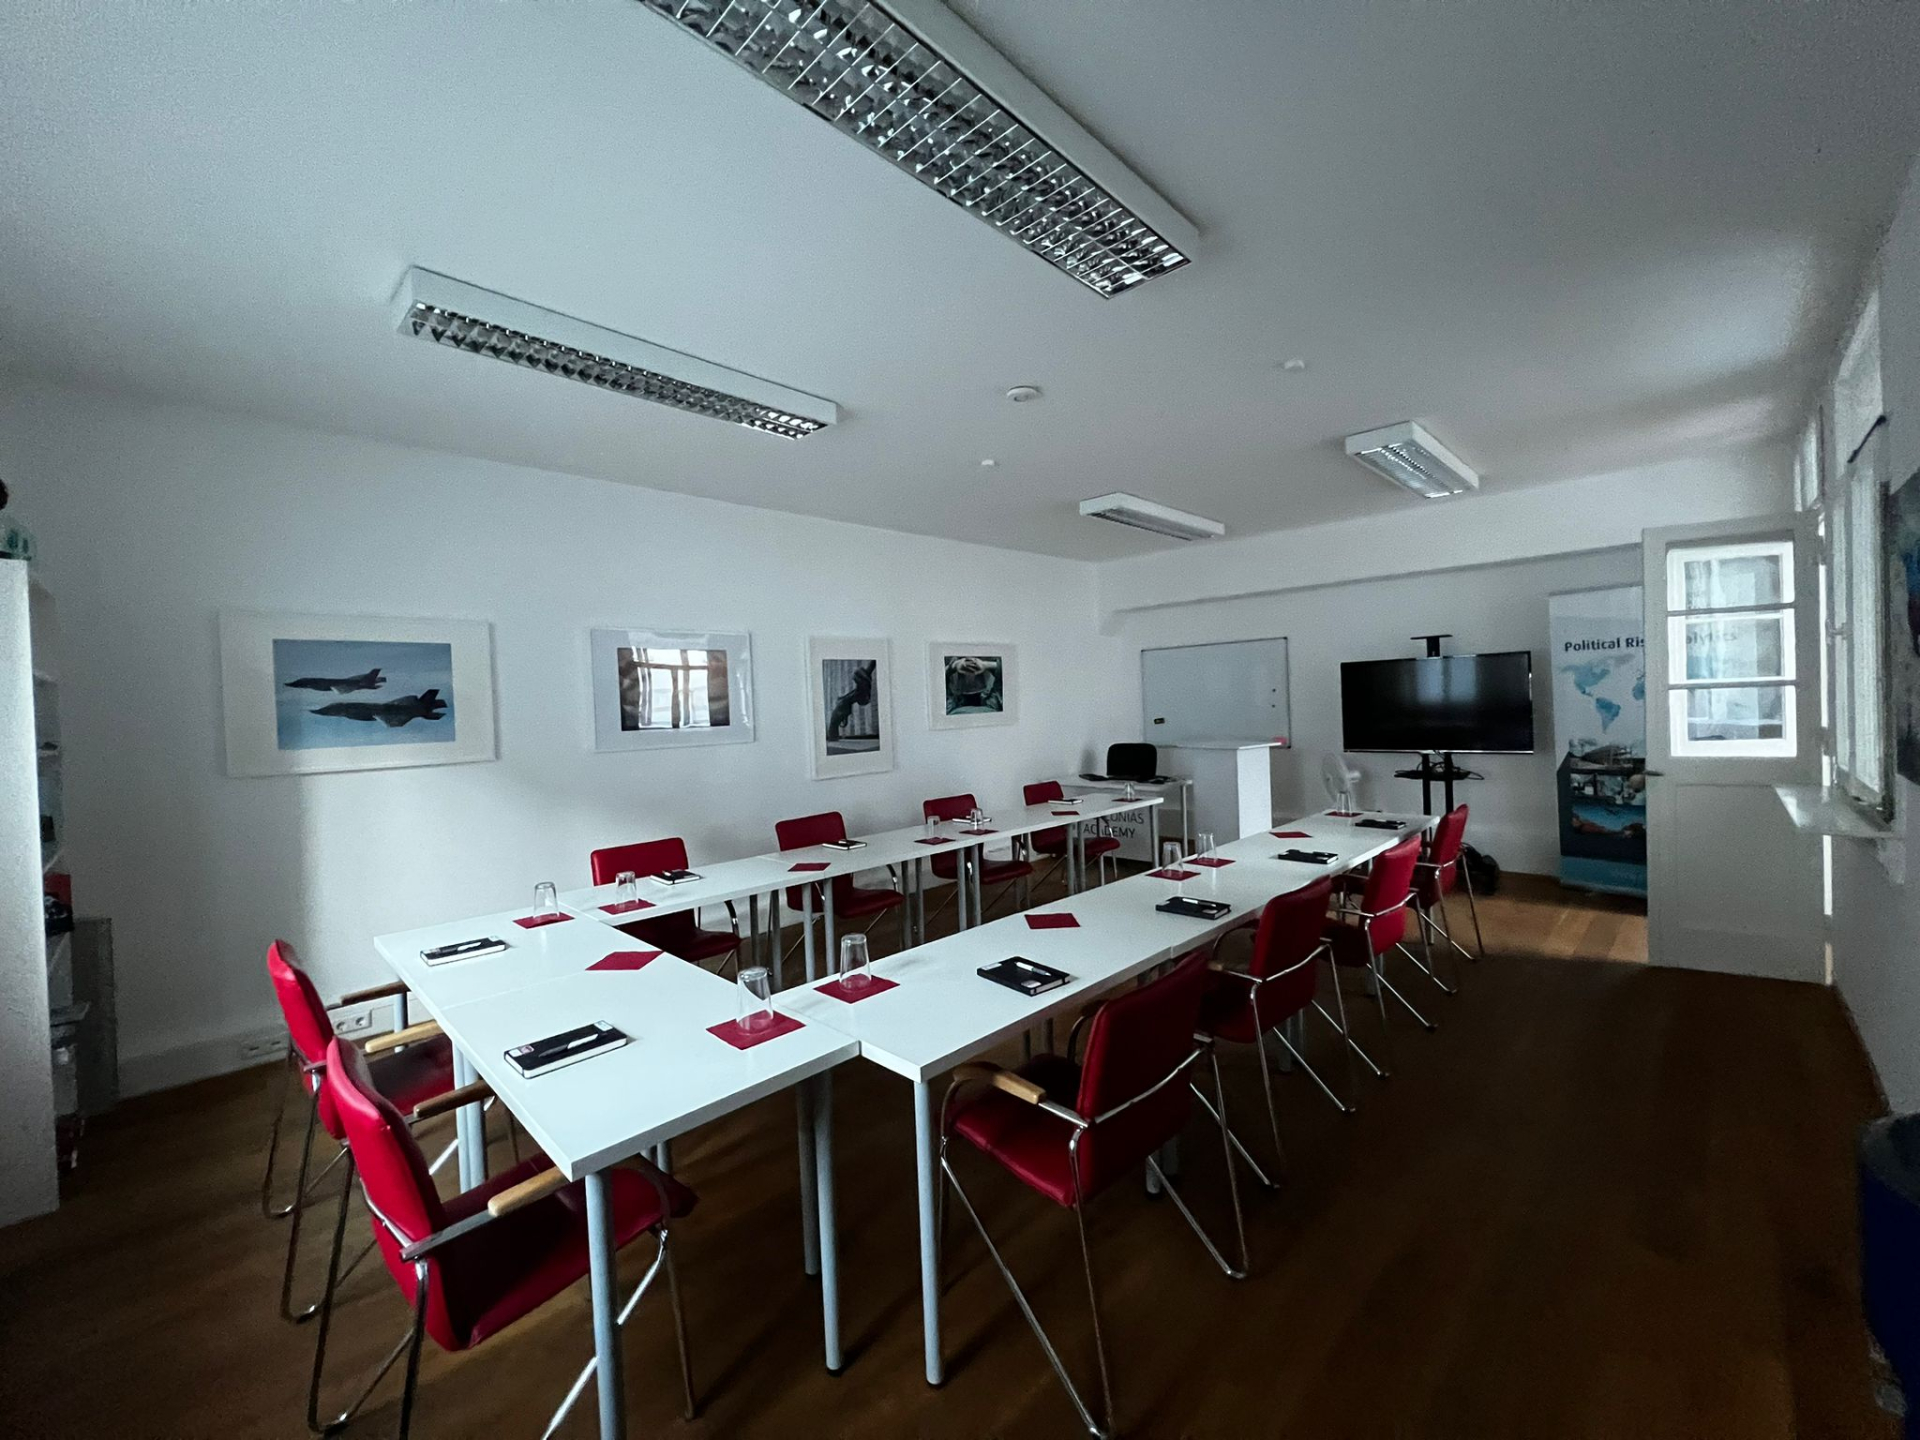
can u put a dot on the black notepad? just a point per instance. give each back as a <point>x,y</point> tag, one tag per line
<point>675,877</point>
<point>1382,824</point>
<point>1309,857</point>
<point>463,950</point>
<point>844,844</point>
<point>1194,908</point>
<point>569,1047</point>
<point>1029,977</point>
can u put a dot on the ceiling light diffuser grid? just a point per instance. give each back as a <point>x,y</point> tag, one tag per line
<point>859,67</point>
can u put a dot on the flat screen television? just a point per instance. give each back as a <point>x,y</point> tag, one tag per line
<point>1469,704</point>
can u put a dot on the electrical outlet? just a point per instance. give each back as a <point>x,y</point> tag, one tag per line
<point>352,1022</point>
<point>267,1045</point>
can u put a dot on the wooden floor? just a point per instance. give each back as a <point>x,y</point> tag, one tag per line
<point>1603,1200</point>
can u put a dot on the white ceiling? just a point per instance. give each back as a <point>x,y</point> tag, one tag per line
<point>1572,237</point>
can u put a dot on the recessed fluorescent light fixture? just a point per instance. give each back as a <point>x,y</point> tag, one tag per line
<point>465,317</point>
<point>1124,509</point>
<point>1407,455</point>
<point>915,84</point>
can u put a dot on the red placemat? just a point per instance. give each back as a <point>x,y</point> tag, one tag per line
<point>746,1039</point>
<point>1290,835</point>
<point>1212,862</point>
<point>1171,874</point>
<point>1343,814</point>
<point>935,840</point>
<point>626,960</point>
<point>979,832</point>
<point>1052,922</point>
<point>853,995</point>
<point>808,866</point>
<point>627,907</point>
<point>534,922</point>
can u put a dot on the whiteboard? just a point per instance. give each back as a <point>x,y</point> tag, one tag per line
<point>1235,690</point>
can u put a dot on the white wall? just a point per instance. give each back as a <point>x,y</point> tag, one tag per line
<point>151,519</point>
<point>1493,607</point>
<point>1876,920</point>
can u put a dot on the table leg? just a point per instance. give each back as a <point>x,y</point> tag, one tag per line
<point>960,890</point>
<point>806,926</point>
<point>1153,836</point>
<point>776,948</point>
<point>753,930</point>
<point>831,962</point>
<point>926,1158</point>
<point>606,1327</point>
<point>829,1241</point>
<point>470,1128</point>
<point>920,902</point>
<point>809,1218</point>
<point>979,888</point>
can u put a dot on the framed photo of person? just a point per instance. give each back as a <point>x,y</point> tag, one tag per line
<point>309,693</point>
<point>657,689</point>
<point>849,706</point>
<point>971,683</point>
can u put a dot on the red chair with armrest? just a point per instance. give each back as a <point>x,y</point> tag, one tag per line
<point>680,933</point>
<point>850,901</point>
<point>1055,842</point>
<point>1071,1130</point>
<point>946,864</point>
<point>1281,981</point>
<point>1437,874</point>
<point>471,1265</point>
<point>414,1064</point>
<point>1362,934</point>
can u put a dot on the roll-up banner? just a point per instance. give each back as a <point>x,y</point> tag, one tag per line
<point>1598,640</point>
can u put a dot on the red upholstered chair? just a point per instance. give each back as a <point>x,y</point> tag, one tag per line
<point>1054,842</point>
<point>850,901</point>
<point>946,864</point>
<point>410,1073</point>
<point>471,1265</point>
<point>1361,934</point>
<point>1439,872</point>
<point>1281,981</point>
<point>1070,1130</point>
<point>680,933</point>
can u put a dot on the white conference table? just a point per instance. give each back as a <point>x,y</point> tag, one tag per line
<point>908,847</point>
<point>670,1077</point>
<point>942,1013</point>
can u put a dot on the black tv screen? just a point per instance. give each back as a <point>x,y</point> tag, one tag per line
<point>1465,703</point>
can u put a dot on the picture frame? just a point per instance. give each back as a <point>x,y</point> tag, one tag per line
<point>307,694</point>
<point>849,706</point>
<point>668,689</point>
<point>971,684</point>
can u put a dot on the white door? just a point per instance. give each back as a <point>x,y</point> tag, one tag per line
<point>1733,709</point>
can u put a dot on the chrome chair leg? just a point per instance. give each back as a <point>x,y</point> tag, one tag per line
<point>1425,966</point>
<point>1265,1181</point>
<point>1233,1187</point>
<point>1344,1030</point>
<point>287,1083</point>
<point>1093,1306</point>
<point>1266,1089</point>
<point>691,1406</point>
<point>415,1336</point>
<point>1473,909</point>
<point>297,1210</point>
<point>1388,987</point>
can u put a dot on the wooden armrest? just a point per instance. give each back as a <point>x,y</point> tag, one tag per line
<point>372,992</point>
<point>394,1039</point>
<point>516,1197</point>
<point>470,1094</point>
<point>1017,1086</point>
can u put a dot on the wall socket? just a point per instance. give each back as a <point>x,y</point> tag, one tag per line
<point>352,1022</point>
<point>267,1045</point>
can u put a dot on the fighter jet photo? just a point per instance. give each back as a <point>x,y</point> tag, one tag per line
<point>427,705</point>
<point>344,685</point>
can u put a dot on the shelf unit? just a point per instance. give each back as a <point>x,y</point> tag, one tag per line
<point>36,971</point>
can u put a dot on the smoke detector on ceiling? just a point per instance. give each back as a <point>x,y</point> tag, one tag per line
<point>1410,457</point>
<point>1020,394</point>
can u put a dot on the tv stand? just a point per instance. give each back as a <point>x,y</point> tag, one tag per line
<point>1431,768</point>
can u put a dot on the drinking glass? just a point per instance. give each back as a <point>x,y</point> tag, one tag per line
<point>756,997</point>
<point>1170,858</point>
<point>629,887</point>
<point>933,825</point>
<point>856,962</point>
<point>546,899</point>
<point>1127,792</point>
<point>1204,840</point>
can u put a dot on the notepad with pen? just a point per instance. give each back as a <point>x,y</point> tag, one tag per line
<point>1029,977</point>
<point>1381,824</point>
<point>1309,857</point>
<point>843,844</point>
<point>674,877</point>
<point>569,1047</point>
<point>463,950</point>
<point>1194,907</point>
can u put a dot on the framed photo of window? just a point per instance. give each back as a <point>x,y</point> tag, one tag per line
<point>657,689</point>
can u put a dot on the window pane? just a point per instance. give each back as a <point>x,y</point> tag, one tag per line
<point>1735,720</point>
<point>1714,582</point>
<point>1735,647</point>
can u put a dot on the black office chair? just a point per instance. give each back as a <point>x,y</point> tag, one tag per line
<point>1133,761</point>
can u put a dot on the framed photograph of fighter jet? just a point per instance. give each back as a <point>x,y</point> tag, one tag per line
<point>970,684</point>
<point>311,693</point>
<point>660,688</point>
<point>849,706</point>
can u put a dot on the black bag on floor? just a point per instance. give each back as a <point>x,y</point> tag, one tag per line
<point>1482,870</point>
